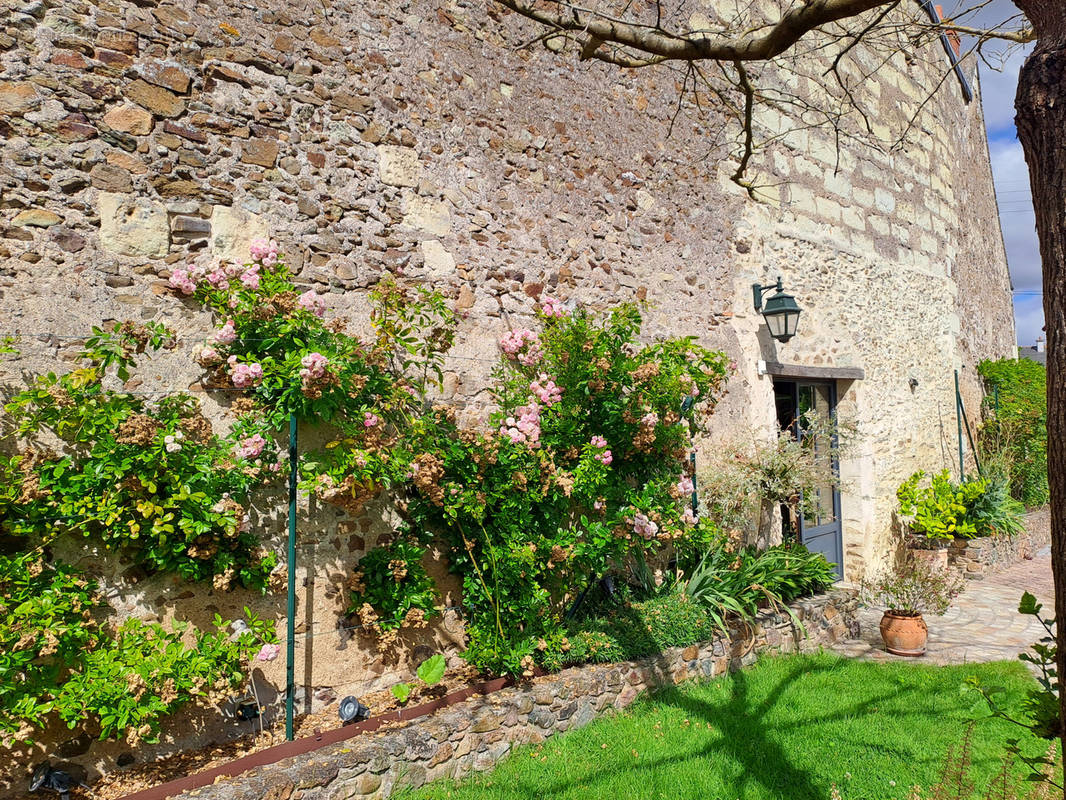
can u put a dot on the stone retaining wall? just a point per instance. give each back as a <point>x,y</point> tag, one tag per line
<point>974,558</point>
<point>475,735</point>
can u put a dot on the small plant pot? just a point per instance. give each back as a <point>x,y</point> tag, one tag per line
<point>904,636</point>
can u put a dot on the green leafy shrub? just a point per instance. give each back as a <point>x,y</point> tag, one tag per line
<point>393,582</point>
<point>583,466</point>
<point>146,672</point>
<point>995,512</point>
<point>724,586</point>
<point>738,584</point>
<point>639,629</point>
<point>46,623</point>
<point>939,510</point>
<point>1017,435</point>
<point>147,476</point>
<point>56,659</point>
<point>944,509</point>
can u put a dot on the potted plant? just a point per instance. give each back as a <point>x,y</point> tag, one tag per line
<point>937,514</point>
<point>906,593</point>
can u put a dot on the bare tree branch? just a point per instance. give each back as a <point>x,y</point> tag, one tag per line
<point>751,46</point>
<point>749,106</point>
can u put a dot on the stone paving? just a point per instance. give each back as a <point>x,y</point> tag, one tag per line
<point>983,624</point>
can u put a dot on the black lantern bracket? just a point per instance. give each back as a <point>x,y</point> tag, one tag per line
<point>780,310</point>
<point>757,291</point>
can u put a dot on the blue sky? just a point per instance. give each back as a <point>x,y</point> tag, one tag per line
<point>1012,178</point>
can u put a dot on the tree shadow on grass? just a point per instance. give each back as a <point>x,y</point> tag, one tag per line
<point>748,743</point>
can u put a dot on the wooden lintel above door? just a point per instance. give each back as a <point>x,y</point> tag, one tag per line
<point>814,373</point>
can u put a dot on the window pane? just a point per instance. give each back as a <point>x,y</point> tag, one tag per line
<point>818,505</point>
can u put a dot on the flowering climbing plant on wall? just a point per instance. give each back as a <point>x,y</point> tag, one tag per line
<point>143,474</point>
<point>583,465</point>
<point>273,343</point>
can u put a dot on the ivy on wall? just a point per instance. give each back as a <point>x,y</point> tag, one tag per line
<point>1013,439</point>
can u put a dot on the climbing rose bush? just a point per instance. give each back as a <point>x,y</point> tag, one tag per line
<point>274,346</point>
<point>579,469</point>
<point>143,474</point>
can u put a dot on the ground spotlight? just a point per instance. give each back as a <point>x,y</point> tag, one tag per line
<point>47,777</point>
<point>352,710</point>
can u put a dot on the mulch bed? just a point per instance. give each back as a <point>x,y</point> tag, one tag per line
<point>123,782</point>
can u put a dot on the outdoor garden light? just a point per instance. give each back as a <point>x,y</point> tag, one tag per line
<point>607,584</point>
<point>45,776</point>
<point>780,310</point>
<point>247,709</point>
<point>352,710</point>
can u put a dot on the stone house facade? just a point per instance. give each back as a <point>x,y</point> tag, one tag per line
<point>410,138</point>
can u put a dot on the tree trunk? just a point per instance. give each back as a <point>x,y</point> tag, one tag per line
<point>1041,120</point>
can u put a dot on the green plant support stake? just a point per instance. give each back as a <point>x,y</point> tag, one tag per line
<point>958,420</point>
<point>290,638</point>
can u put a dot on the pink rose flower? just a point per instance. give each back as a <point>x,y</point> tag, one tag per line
<point>546,390</point>
<point>181,280</point>
<point>309,301</point>
<point>551,307</point>
<point>261,250</point>
<point>525,427</point>
<point>250,279</point>
<point>251,446</point>
<point>268,652</point>
<point>227,334</point>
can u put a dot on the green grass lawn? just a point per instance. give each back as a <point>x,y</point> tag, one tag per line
<point>787,729</point>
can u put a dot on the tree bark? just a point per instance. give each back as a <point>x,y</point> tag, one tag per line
<point>1041,121</point>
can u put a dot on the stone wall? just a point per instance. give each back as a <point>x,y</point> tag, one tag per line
<point>973,559</point>
<point>478,733</point>
<point>411,139</point>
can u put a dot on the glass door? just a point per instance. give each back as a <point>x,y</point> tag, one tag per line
<point>802,408</point>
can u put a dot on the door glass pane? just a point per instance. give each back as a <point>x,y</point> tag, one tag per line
<point>816,401</point>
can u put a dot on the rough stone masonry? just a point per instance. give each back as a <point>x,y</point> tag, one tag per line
<point>410,138</point>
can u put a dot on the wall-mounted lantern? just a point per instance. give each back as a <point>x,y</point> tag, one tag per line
<point>780,310</point>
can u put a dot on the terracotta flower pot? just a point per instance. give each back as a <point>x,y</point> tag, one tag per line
<point>904,636</point>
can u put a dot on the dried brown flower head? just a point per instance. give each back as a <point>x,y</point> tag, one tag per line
<point>137,429</point>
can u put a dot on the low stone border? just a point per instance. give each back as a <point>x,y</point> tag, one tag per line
<point>476,734</point>
<point>974,558</point>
